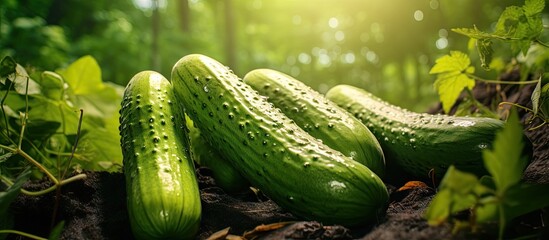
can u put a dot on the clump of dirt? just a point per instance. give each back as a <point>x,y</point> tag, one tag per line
<point>95,208</point>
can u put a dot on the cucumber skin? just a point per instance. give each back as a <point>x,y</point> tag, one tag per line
<point>162,190</point>
<point>320,117</point>
<point>419,142</point>
<point>224,174</point>
<point>295,170</point>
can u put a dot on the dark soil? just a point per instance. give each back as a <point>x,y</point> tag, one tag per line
<point>95,208</point>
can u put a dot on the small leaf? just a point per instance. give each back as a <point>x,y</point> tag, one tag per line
<point>508,23</point>
<point>544,102</point>
<point>452,77</point>
<point>505,161</point>
<point>458,181</point>
<point>484,47</point>
<point>439,208</point>
<point>7,67</point>
<point>19,79</point>
<point>56,231</point>
<point>457,193</point>
<point>535,97</point>
<point>5,156</point>
<point>533,7</point>
<point>8,195</point>
<point>475,33</point>
<point>455,62</point>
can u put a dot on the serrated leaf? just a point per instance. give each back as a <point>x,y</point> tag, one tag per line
<point>484,47</point>
<point>533,7</point>
<point>456,61</point>
<point>452,77</point>
<point>457,193</point>
<point>505,161</point>
<point>508,23</point>
<point>475,33</point>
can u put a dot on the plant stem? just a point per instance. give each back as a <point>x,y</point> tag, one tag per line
<point>30,159</point>
<point>541,43</point>
<point>4,111</point>
<point>501,82</point>
<point>77,138</point>
<point>50,189</point>
<point>24,234</point>
<point>25,116</point>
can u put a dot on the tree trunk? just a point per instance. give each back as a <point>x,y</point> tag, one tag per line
<point>184,15</point>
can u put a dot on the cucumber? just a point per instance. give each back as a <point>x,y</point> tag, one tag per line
<point>294,169</point>
<point>419,143</point>
<point>320,117</point>
<point>162,189</point>
<point>224,174</point>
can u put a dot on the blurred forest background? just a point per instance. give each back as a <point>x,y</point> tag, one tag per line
<point>384,46</point>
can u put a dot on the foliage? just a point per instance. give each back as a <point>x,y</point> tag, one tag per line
<point>500,196</point>
<point>452,77</point>
<point>520,26</point>
<point>43,132</point>
<point>517,26</point>
<point>53,102</point>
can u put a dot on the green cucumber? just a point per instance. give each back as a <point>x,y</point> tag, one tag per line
<point>224,174</point>
<point>420,143</point>
<point>162,189</point>
<point>319,116</point>
<point>294,169</point>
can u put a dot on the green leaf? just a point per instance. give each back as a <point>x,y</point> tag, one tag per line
<point>525,198</point>
<point>7,67</point>
<point>439,208</point>
<point>52,85</point>
<point>533,7</point>
<point>475,33</point>
<point>544,101</point>
<point>83,76</point>
<point>509,22</point>
<point>505,161</point>
<point>484,47</point>
<point>7,196</point>
<point>452,77</point>
<point>99,150</point>
<point>20,78</point>
<point>458,191</point>
<point>455,62</point>
<point>56,231</point>
<point>535,97</point>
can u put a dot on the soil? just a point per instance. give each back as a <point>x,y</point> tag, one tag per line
<point>95,207</point>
